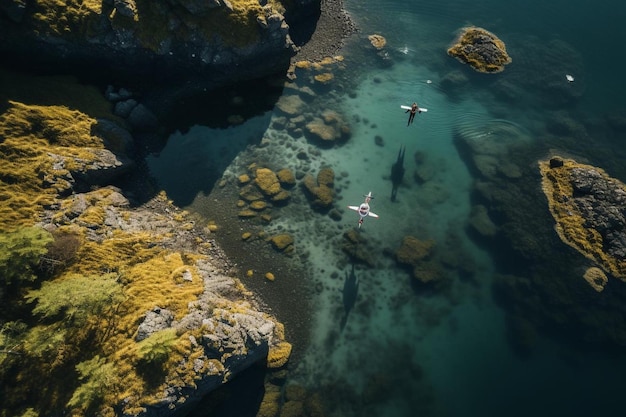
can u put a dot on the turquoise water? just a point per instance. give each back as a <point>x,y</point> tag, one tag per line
<point>410,350</point>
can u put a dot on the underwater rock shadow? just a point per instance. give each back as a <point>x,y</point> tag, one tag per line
<point>206,133</point>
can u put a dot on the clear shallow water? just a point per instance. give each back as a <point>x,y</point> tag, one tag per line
<point>405,351</point>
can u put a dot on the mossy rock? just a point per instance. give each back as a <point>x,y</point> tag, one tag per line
<point>377,41</point>
<point>324,78</point>
<point>282,242</point>
<point>412,250</point>
<point>480,49</point>
<point>587,206</point>
<point>286,177</point>
<point>258,205</point>
<point>281,198</point>
<point>320,196</point>
<point>326,177</point>
<point>243,179</point>
<point>267,181</point>
<point>278,355</point>
<point>250,193</point>
<point>247,213</point>
<point>322,131</point>
<point>291,105</point>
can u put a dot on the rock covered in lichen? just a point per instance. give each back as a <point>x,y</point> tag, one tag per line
<point>377,41</point>
<point>320,191</point>
<point>212,42</point>
<point>282,242</point>
<point>480,49</point>
<point>589,209</point>
<point>267,181</point>
<point>179,291</point>
<point>596,278</point>
<point>416,254</point>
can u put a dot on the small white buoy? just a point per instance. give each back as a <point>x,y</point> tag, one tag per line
<point>569,78</point>
<point>429,82</point>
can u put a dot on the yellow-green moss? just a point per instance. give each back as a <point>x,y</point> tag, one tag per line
<point>151,25</point>
<point>149,274</point>
<point>468,48</point>
<point>32,134</point>
<point>66,17</point>
<point>238,27</point>
<point>570,224</point>
<point>278,355</point>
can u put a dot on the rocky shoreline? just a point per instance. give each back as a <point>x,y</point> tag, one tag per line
<point>333,27</point>
<point>226,328</point>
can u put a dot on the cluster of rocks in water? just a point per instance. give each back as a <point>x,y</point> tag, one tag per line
<point>543,285</point>
<point>589,209</point>
<point>235,337</point>
<point>262,190</point>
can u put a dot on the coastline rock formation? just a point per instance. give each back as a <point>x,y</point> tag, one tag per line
<point>543,282</point>
<point>195,45</point>
<point>589,209</point>
<point>155,319</point>
<point>480,49</point>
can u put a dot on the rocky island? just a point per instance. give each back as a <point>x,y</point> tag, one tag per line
<point>480,49</point>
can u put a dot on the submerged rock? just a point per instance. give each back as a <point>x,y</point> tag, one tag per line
<point>320,190</point>
<point>377,41</point>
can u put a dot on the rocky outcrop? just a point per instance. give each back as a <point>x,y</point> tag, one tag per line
<point>320,191</point>
<point>225,330</point>
<point>557,290</point>
<point>589,208</point>
<point>415,254</point>
<point>182,303</point>
<point>328,129</point>
<point>480,49</point>
<point>201,44</point>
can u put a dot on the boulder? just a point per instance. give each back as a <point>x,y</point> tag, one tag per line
<point>291,105</point>
<point>320,196</point>
<point>480,49</point>
<point>596,278</point>
<point>412,250</point>
<point>589,208</point>
<point>286,177</point>
<point>155,320</point>
<point>267,181</point>
<point>328,129</point>
<point>377,41</point>
<point>282,242</point>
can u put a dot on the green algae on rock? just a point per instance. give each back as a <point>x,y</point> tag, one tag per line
<point>588,207</point>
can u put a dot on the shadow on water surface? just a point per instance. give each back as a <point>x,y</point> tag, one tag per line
<point>206,132</point>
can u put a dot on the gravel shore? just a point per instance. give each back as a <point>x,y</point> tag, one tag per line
<point>333,27</point>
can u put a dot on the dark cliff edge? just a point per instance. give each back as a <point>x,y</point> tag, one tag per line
<point>172,49</point>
